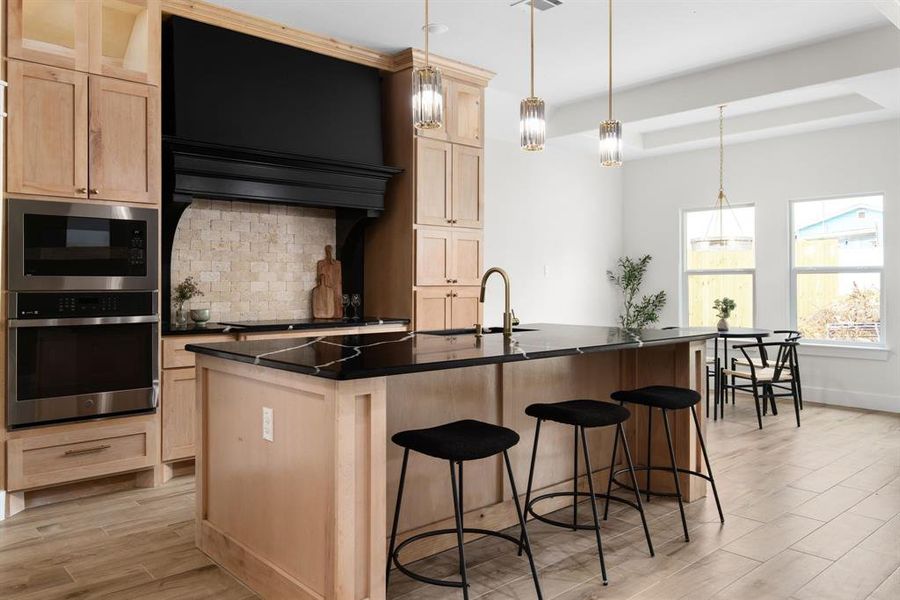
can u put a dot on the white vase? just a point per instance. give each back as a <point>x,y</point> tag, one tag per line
<point>722,325</point>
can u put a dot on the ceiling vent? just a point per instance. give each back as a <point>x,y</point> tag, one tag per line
<point>538,4</point>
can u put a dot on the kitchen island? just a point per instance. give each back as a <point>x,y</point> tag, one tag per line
<point>296,474</point>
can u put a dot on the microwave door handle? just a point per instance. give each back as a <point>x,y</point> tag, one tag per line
<point>154,401</point>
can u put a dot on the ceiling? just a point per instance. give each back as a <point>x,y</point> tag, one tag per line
<point>654,39</point>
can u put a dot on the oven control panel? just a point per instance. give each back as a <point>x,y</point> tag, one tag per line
<point>64,305</point>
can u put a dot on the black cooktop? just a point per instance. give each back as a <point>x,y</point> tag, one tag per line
<point>295,324</point>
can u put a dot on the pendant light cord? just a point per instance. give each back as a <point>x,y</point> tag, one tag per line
<point>532,48</point>
<point>610,58</point>
<point>426,33</point>
<point>721,150</point>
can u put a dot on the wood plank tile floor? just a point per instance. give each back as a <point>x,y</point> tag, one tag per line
<point>811,513</point>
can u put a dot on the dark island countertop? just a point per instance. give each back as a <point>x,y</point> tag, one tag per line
<point>276,325</point>
<point>376,355</point>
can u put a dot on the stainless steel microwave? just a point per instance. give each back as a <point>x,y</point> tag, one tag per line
<point>69,246</point>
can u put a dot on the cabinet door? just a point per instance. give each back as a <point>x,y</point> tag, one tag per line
<point>178,409</point>
<point>432,309</point>
<point>465,253</point>
<point>48,122</point>
<point>466,118</point>
<point>124,41</point>
<point>51,33</point>
<point>433,256</point>
<point>467,198</point>
<point>124,141</point>
<point>464,307</point>
<point>433,175</point>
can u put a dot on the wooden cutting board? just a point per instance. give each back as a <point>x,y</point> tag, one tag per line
<point>323,300</point>
<point>330,269</point>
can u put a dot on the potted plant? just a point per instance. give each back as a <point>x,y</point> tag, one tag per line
<point>628,278</point>
<point>183,292</point>
<point>723,308</point>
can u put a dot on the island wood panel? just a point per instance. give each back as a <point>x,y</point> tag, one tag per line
<point>48,131</point>
<point>322,475</point>
<point>178,413</point>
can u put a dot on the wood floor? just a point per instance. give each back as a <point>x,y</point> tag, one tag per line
<point>811,514</point>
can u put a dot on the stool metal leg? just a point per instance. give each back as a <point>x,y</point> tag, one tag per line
<point>575,482</point>
<point>459,530</point>
<point>665,415</point>
<point>649,439</point>
<point>712,480</point>
<point>537,433</point>
<point>637,493</point>
<point>756,400</point>
<point>524,536</point>
<point>387,575</point>
<point>587,465</point>
<point>612,465</point>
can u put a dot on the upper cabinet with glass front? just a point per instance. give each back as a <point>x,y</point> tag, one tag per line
<point>115,38</point>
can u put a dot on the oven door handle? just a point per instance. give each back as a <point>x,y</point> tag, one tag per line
<point>22,323</point>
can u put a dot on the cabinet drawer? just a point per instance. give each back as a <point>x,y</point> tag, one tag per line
<point>80,452</point>
<point>174,355</point>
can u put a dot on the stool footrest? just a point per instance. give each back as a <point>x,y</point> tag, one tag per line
<point>395,558</point>
<point>529,510</point>
<point>638,468</point>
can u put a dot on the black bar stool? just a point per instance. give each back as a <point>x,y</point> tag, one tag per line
<point>458,442</point>
<point>666,398</point>
<point>583,414</point>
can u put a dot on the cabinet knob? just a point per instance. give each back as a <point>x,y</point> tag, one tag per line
<point>94,191</point>
<point>448,294</point>
<point>449,220</point>
<point>455,281</point>
<point>455,294</point>
<point>81,191</point>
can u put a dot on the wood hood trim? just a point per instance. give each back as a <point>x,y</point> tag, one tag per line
<point>227,18</point>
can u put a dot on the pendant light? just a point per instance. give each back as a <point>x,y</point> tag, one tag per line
<point>532,125</point>
<point>610,130</point>
<point>716,237</point>
<point>427,91</point>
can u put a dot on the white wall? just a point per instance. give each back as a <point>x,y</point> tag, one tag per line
<point>770,173</point>
<point>555,209</point>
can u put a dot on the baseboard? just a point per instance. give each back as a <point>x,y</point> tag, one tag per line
<point>869,401</point>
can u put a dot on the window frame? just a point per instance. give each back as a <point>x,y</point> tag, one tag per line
<point>795,271</point>
<point>686,273</point>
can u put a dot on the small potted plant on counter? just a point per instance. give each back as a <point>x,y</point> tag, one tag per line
<point>723,308</point>
<point>628,277</point>
<point>183,292</point>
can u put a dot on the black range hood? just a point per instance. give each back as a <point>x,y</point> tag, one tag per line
<point>249,119</point>
<point>203,170</point>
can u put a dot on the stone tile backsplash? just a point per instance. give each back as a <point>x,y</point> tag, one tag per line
<point>252,261</point>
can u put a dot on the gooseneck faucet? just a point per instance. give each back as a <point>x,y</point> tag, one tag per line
<point>508,316</point>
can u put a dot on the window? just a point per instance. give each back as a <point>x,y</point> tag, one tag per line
<point>719,261</point>
<point>836,267</point>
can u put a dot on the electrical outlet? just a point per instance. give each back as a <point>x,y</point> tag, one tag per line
<point>268,419</point>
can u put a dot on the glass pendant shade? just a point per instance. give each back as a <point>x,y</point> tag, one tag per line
<point>427,98</point>
<point>532,125</point>
<point>611,143</point>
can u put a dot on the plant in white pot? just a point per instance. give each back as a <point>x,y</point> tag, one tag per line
<point>723,307</point>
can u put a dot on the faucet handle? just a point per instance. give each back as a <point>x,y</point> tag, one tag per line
<point>515,319</point>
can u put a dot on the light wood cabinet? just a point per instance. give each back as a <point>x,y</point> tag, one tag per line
<point>448,256</point>
<point>77,136</point>
<point>48,131</point>
<point>466,122</point>
<point>49,456</point>
<point>467,191</point>
<point>51,33</point>
<point>124,141</point>
<point>178,413</point>
<point>433,182</point>
<point>433,308</point>
<point>116,38</point>
<point>465,309</point>
<point>447,308</point>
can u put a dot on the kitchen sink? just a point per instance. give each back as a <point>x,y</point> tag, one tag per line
<point>471,331</point>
